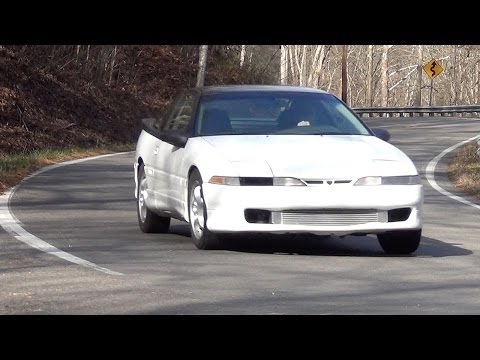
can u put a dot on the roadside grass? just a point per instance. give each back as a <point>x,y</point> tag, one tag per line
<point>14,167</point>
<point>464,169</point>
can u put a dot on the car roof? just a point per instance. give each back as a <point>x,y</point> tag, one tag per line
<point>266,88</point>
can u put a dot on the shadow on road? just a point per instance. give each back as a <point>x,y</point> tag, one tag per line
<point>308,244</point>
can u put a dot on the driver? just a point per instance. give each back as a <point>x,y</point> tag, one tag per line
<point>300,113</point>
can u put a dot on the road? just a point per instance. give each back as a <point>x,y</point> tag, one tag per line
<point>88,210</point>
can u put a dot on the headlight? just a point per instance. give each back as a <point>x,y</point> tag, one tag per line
<point>255,181</point>
<point>286,181</point>
<point>369,180</point>
<point>389,180</point>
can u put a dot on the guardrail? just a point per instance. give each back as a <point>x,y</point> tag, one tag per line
<point>453,110</point>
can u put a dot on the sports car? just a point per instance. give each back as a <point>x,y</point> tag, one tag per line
<point>274,159</point>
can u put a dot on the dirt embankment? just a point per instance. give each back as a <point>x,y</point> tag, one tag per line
<point>56,102</point>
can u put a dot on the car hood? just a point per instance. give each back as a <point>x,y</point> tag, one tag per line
<point>312,156</point>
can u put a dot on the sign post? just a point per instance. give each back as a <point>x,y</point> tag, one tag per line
<point>432,69</point>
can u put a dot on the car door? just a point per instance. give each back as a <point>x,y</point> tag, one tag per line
<point>170,162</point>
<point>154,176</point>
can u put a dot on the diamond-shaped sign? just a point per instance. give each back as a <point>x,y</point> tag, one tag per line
<point>432,69</point>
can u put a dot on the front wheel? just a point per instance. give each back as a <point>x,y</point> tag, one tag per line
<point>400,242</point>
<point>197,210</point>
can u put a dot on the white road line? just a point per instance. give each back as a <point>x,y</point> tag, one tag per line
<point>430,172</point>
<point>13,226</point>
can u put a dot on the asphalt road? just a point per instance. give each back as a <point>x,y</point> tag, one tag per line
<point>88,210</point>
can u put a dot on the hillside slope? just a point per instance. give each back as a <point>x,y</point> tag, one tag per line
<point>44,105</point>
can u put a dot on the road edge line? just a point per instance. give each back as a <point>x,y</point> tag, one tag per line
<point>13,226</point>
<point>430,173</point>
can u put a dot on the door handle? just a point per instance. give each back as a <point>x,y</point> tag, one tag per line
<point>155,152</point>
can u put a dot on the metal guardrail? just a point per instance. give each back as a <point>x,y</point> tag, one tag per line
<point>453,110</point>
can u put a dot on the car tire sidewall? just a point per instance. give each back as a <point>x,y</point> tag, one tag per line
<point>208,240</point>
<point>141,175</point>
<point>402,242</point>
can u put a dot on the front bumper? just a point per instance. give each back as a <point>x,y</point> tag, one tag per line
<point>226,206</point>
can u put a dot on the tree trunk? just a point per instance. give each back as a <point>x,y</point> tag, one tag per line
<point>459,97</point>
<point>418,84</point>
<point>202,63</point>
<point>303,80</point>
<point>476,99</point>
<point>242,55</point>
<point>112,65</point>
<point>453,87</point>
<point>100,65</point>
<point>291,63</point>
<point>344,74</point>
<point>77,53</point>
<point>299,67</point>
<point>317,64</point>
<point>369,98</point>
<point>384,76</point>
<point>407,93</point>
<point>283,64</point>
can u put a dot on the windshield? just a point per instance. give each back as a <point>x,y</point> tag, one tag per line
<point>282,112</point>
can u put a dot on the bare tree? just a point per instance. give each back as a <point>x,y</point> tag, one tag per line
<point>305,63</point>
<point>384,76</point>
<point>369,98</point>
<point>202,63</point>
<point>112,64</point>
<point>242,55</point>
<point>77,52</point>
<point>283,63</point>
<point>344,73</point>
<point>418,85</point>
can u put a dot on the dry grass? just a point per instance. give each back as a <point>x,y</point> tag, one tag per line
<point>14,168</point>
<point>464,169</point>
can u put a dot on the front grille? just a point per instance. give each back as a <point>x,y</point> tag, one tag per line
<point>332,217</point>
<point>327,182</point>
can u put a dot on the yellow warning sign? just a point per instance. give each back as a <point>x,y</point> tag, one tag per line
<point>433,69</point>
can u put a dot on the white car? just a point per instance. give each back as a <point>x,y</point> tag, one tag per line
<point>274,159</point>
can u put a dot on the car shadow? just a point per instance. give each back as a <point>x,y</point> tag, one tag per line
<point>309,244</point>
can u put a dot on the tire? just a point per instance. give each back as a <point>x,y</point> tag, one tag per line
<point>400,242</point>
<point>148,221</point>
<point>203,238</point>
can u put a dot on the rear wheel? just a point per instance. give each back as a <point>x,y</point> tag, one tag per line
<point>197,211</point>
<point>400,242</point>
<point>148,221</point>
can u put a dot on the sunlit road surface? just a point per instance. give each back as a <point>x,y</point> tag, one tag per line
<point>88,210</point>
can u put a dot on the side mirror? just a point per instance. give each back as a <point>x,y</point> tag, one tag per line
<point>177,140</point>
<point>149,124</point>
<point>382,134</point>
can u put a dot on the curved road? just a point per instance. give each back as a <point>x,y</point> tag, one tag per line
<point>88,210</point>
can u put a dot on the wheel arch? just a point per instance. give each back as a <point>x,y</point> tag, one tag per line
<point>137,164</point>
<point>191,169</point>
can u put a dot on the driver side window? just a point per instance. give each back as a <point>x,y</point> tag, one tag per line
<point>180,117</point>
